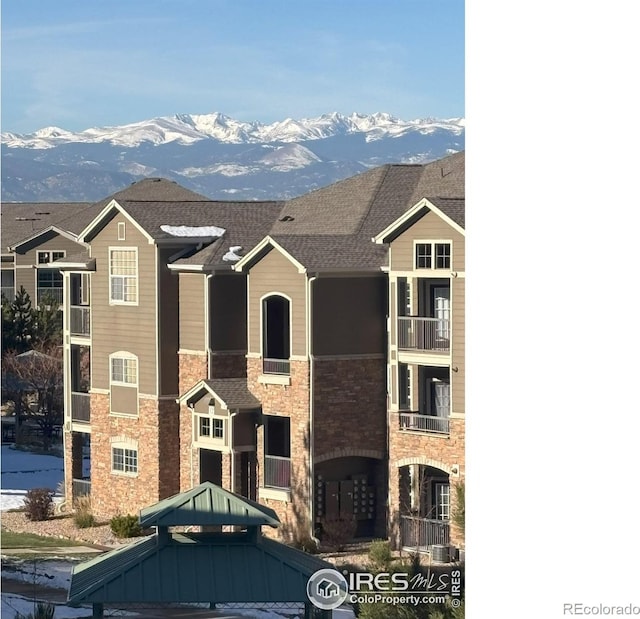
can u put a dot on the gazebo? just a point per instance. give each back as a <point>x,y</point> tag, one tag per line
<point>238,567</point>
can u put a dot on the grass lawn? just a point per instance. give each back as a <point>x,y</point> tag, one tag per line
<point>10,540</point>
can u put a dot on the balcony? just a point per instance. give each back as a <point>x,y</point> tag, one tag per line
<point>81,487</point>
<point>277,472</point>
<point>423,423</point>
<point>54,293</point>
<point>417,333</point>
<point>80,407</point>
<point>422,533</point>
<point>80,320</point>
<point>276,366</point>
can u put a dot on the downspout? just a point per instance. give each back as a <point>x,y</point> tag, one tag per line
<point>311,397</point>
<point>191,439</point>
<point>207,330</point>
<point>232,452</point>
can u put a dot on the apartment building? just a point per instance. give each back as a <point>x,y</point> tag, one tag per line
<point>307,354</point>
<point>33,236</point>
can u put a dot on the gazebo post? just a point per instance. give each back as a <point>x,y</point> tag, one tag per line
<point>98,610</point>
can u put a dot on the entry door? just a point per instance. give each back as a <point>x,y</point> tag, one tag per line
<point>441,312</point>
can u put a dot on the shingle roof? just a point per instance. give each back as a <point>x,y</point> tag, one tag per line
<point>21,220</point>
<point>452,207</point>
<point>233,392</point>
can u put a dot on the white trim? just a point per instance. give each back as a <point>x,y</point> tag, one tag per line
<point>47,265</point>
<point>432,268</point>
<point>123,354</point>
<point>274,495</point>
<point>275,379</point>
<point>156,313</point>
<point>188,351</point>
<point>137,276</point>
<point>198,268</point>
<point>122,226</point>
<point>382,236</point>
<point>107,209</point>
<point>52,228</point>
<point>240,265</point>
<point>126,444</point>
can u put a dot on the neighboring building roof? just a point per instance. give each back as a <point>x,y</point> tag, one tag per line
<point>208,505</point>
<point>21,220</point>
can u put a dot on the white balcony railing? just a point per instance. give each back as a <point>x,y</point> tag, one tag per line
<point>276,366</point>
<point>424,423</point>
<point>417,333</point>
<point>54,293</point>
<point>80,320</point>
<point>277,472</point>
<point>80,407</point>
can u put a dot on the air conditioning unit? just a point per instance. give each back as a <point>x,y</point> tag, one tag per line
<point>440,553</point>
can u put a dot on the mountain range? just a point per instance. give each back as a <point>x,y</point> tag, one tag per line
<point>217,156</point>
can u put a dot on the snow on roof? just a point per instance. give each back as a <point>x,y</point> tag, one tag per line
<point>193,231</point>
<point>232,255</point>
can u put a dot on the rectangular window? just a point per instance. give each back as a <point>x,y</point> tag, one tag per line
<point>121,231</point>
<point>218,428</point>
<point>8,284</point>
<point>124,370</point>
<point>433,255</point>
<point>205,426</point>
<point>423,255</point>
<point>45,257</point>
<point>123,275</point>
<point>124,460</point>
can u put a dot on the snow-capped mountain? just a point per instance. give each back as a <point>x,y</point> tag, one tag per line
<point>217,155</point>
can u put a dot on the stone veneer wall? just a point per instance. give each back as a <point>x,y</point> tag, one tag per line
<point>418,448</point>
<point>155,430</point>
<point>288,401</point>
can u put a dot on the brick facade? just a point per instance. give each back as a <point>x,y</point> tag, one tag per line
<point>440,452</point>
<point>154,431</point>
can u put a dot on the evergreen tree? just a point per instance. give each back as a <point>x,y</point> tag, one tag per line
<point>19,322</point>
<point>48,323</point>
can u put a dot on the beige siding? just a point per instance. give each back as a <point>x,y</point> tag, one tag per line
<point>228,312</point>
<point>124,400</point>
<point>431,227</point>
<point>28,257</point>
<point>169,321</point>
<point>458,353</point>
<point>349,316</point>
<point>276,274</point>
<point>130,328</point>
<point>192,308</point>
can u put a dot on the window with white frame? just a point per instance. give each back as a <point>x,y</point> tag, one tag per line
<point>47,256</point>
<point>433,255</point>
<point>121,231</point>
<point>210,428</point>
<point>123,275</point>
<point>124,460</point>
<point>124,370</point>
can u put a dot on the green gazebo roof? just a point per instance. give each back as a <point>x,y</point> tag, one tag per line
<point>205,505</point>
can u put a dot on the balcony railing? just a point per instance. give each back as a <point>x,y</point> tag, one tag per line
<point>416,333</point>
<point>54,293</point>
<point>80,319</point>
<point>80,407</point>
<point>424,423</point>
<point>277,472</point>
<point>80,487</point>
<point>417,533</point>
<point>276,366</point>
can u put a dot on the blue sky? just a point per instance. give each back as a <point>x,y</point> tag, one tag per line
<point>77,63</point>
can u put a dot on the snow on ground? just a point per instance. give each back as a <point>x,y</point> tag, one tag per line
<point>22,471</point>
<point>13,604</point>
<point>55,574</point>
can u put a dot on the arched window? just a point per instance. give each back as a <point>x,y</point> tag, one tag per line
<point>276,338</point>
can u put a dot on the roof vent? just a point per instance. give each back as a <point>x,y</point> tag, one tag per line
<point>287,218</point>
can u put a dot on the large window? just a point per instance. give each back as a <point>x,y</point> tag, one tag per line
<point>124,460</point>
<point>124,370</point>
<point>276,346</point>
<point>432,255</point>
<point>50,285</point>
<point>123,276</point>
<point>8,284</point>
